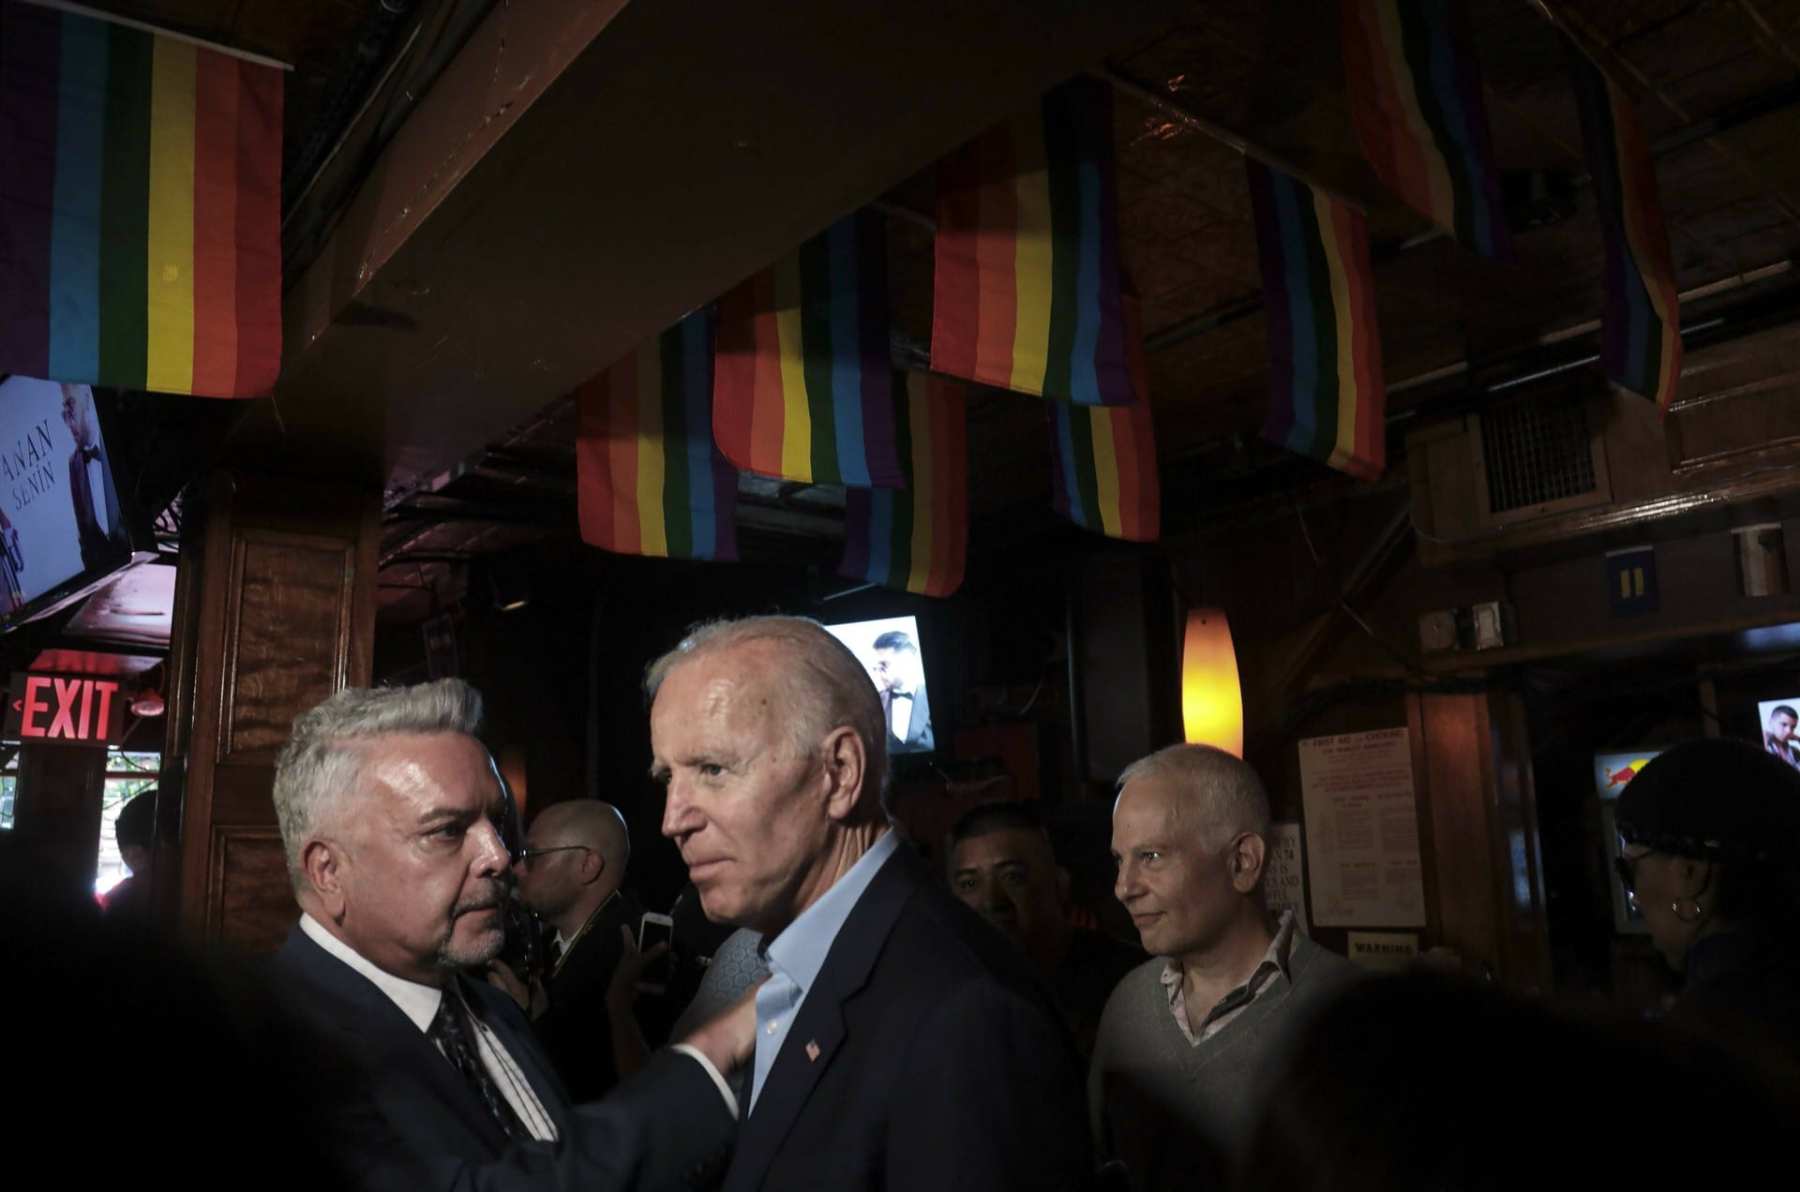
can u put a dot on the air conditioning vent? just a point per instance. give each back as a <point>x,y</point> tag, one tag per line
<point>1536,450</point>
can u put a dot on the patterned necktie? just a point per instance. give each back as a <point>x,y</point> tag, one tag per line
<point>451,1030</point>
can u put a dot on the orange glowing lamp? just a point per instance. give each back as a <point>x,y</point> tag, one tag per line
<point>1212,702</point>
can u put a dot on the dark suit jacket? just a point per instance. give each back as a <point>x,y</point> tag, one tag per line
<point>397,1115</point>
<point>575,1030</point>
<point>926,1056</point>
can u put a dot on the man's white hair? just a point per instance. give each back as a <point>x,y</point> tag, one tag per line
<point>1222,797</point>
<point>823,688</point>
<point>321,764</point>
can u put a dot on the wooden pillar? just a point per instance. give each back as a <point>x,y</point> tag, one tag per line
<point>1486,876</point>
<point>1128,649</point>
<point>56,809</point>
<point>274,611</point>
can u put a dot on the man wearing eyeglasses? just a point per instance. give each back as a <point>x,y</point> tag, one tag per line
<point>569,874</point>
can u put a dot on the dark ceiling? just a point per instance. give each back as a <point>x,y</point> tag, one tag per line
<point>1716,85</point>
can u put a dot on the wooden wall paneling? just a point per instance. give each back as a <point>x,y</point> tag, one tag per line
<point>283,616</point>
<point>1457,746</point>
<point>178,717</point>
<point>287,635</point>
<point>248,895</point>
<point>1129,654</point>
<point>1525,930</point>
<point>1428,849</point>
<point>1486,875</point>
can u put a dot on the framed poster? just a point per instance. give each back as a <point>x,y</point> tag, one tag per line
<point>1362,830</point>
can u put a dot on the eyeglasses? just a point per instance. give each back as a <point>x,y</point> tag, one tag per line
<point>526,856</point>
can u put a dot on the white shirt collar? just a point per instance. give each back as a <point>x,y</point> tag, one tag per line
<point>418,1002</point>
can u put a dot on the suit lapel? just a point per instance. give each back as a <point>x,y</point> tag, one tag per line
<point>384,1032</point>
<point>818,1033</point>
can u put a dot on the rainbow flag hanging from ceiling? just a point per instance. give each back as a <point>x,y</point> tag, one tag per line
<point>1103,469</point>
<point>140,208</point>
<point>1026,288</point>
<point>804,386</point>
<point>648,479</point>
<point>1328,399</point>
<point>1416,99</point>
<point>916,538</point>
<point>1640,336</point>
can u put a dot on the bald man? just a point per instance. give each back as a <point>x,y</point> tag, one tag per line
<point>1190,1041</point>
<point>569,874</point>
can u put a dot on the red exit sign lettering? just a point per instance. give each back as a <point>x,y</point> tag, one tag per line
<point>66,710</point>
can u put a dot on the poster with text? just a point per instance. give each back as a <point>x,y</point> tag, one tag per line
<point>1284,879</point>
<point>1362,830</point>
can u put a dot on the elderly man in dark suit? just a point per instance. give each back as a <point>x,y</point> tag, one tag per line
<point>423,1076</point>
<point>901,1043</point>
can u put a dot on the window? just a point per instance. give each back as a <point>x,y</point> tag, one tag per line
<point>127,775</point>
<point>9,780</point>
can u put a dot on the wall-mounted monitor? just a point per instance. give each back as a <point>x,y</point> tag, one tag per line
<point>1778,724</point>
<point>890,650</point>
<point>65,525</point>
<point>1613,772</point>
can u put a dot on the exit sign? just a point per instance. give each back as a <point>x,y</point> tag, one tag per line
<point>65,710</point>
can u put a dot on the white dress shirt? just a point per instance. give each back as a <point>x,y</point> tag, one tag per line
<point>420,1004</point>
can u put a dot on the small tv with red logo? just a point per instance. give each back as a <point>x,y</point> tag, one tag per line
<point>1613,772</point>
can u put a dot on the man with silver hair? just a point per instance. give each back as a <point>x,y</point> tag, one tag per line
<point>427,1078</point>
<point>1189,1041</point>
<point>901,1043</point>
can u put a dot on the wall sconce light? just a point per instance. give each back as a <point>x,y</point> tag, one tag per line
<point>1212,702</point>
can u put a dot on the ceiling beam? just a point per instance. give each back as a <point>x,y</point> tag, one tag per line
<point>585,173</point>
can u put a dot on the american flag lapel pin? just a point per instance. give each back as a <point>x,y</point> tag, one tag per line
<point>812,1050</point>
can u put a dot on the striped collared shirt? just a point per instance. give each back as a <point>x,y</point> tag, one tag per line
<point>1274,962</point>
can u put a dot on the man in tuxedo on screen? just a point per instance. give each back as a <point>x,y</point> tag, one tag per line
<point>901,1043</point>
<point>97,518</point>
<point>418,1075</point>
<point>899,675</point>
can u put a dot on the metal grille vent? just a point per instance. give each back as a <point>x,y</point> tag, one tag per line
<point>1536,450</point>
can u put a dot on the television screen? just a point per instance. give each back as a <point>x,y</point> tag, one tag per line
<point>1613,770</point>
<point>62,528</point>
<point>889,650</point>
<point>1777,720</point>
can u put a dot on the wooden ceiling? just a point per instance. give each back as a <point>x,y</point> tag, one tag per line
<point>1270,70</point>
<point>1716,84</point>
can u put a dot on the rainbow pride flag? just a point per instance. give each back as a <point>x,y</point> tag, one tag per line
<point>1026,288</point>
<point>1640,336</point>
<point>140,208</point>
<point>1103,468</point>
<point>804,386</point>
<point>1328,401</point>
<point>916,538</point>
<point>1417,102</point>
<point>648,479</point>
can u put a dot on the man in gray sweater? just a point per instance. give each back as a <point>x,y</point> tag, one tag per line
<point>1190,1042</point>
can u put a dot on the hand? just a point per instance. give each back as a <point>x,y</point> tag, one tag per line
<point>730,1039</point>
<point>627,978</point>
<point>532,999</point>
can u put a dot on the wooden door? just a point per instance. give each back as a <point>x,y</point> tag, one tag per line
<point>275,610</point>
